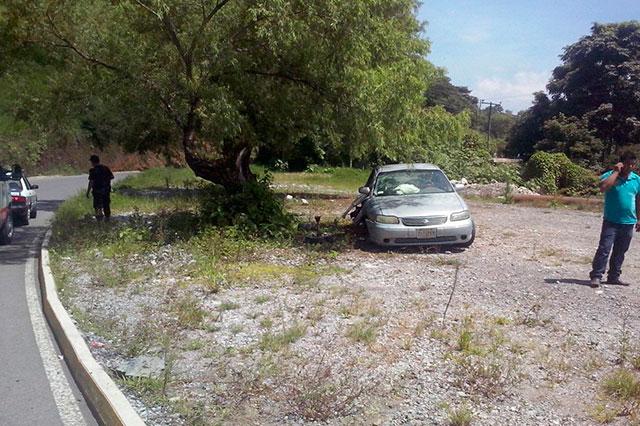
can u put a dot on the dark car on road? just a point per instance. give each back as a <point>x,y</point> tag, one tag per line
<point>6,218</point>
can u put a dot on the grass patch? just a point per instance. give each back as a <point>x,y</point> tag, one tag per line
<point>146,386</point>
<point>447,261</point>
<point>253,271</point>
<point>602,413</point>
<point>338,179</point>
<point>622,384</point>
<point>188,312</point>
<point>162,177</point>
<point>461,416</point>
<point>228,306</point>
<point>261,299</point>
<point>195,345</point>
<point>363,331</point>
<point>275,342</point>
<point>266,323</point>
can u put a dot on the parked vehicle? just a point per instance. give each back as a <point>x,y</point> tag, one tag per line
<point>412,204</point>
<point>24,198</point>
<point>6,218</point>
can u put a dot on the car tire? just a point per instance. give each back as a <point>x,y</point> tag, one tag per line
<point>24,220</point>
<point>468,243</point>
<point>6,233</point>
<point>34,212</point>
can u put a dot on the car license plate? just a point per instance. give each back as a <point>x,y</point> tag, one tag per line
<point>426,233</point>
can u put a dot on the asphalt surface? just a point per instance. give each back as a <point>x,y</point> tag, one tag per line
<point>35,385</point>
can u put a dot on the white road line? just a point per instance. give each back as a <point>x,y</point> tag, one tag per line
<point>65,400</point>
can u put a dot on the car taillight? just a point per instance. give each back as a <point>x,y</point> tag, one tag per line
<point>18,199</point>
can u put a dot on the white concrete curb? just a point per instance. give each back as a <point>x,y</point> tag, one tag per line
<point>106,401</point>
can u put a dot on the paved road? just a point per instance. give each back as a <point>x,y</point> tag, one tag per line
<point>35,386</point>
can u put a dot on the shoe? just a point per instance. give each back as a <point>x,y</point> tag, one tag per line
<point>595,282</point>
<point>617,281</point>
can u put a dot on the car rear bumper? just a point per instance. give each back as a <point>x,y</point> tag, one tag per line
<point>458,232</point>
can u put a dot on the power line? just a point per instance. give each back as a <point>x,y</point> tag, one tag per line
<point>491,105</point>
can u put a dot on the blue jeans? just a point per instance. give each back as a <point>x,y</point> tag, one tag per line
<point>614,235</point>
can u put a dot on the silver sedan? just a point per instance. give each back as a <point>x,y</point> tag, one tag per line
<point>413,204</point>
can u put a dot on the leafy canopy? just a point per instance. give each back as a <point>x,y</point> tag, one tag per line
<point>598,84</point>
<point>214,75</point>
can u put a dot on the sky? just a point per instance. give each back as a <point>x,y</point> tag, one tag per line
<point>504,50</point>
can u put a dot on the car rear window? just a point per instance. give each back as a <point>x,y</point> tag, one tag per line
<point>15,186</point>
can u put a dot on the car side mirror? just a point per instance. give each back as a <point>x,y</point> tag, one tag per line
<point>34,187</point>
<point>364,190</point>
<point>458,186</point>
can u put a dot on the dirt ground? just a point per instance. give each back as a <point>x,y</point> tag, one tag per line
<point>525,339</point>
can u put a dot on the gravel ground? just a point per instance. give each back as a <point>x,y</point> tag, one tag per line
<point>525,341</point>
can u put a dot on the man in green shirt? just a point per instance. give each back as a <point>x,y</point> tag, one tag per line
<point>621,187</point>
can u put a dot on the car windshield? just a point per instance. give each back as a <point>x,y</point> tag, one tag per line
<point>15,186</point>
<point>410,182</point>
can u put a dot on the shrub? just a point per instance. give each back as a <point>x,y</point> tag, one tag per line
<point>555,173</point>
<point>252,207</point>
<point>471,158</point>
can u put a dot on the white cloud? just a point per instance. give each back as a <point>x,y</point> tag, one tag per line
<point>515,92</point>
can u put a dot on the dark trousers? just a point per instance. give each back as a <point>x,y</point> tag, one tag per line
<point>102,201</point>
<point>614,235</point>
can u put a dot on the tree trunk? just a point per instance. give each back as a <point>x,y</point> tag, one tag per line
<point>230,171</point>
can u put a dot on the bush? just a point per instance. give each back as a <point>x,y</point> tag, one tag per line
<point>554,173</point>
<point>251,207</point>
<point>471,158</point>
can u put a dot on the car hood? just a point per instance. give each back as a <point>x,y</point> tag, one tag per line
<point>417,205</point>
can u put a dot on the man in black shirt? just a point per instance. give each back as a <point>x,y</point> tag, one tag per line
<point>100,185</point>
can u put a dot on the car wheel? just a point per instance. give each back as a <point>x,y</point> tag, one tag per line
<point>25,219</point>
<point>6,234</point>
<point>468,243</point>
<point>34,212</point>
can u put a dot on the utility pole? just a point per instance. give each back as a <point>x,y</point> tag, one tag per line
<point>491,105</point>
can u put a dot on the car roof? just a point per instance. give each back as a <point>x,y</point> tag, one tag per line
<point>407,166</point>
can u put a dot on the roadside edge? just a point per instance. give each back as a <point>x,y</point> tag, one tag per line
<point>104,398</point>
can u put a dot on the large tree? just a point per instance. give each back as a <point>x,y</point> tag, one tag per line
<point>223,77</point>
<point>600,80</point>
<point>598,84</point>
<point>454,99</point>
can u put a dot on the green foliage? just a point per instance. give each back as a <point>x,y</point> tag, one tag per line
<point>278,341</point>
<point>470,157</point>
<point>623,384</point>
<point>455,99</point>
<point>338,178</point>
<point>572,137</point>
<point>528,129</point>
<point>462,416</point>
<point>554,172</point>
<point>165,177</point>
<point>252,208</point>
<point>597,90</point>
<point>342,77</point>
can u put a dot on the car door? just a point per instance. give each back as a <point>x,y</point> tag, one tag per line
<point>29,192</point>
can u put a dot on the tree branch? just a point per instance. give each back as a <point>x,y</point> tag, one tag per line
<point>170,29</point>
<point>294,79</point>
<point>69,45</point>
<point>148,9</point>
<point>194,42</point>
